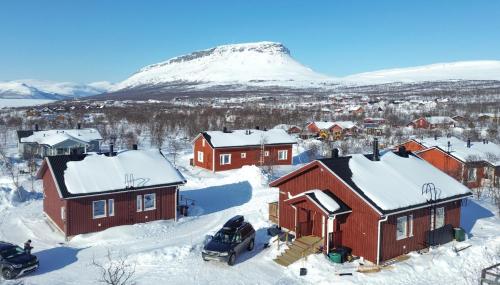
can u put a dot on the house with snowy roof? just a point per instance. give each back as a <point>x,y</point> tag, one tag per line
<point>58,142</point>
<point>225,150</point>
<point>332,130</point>
<point>474,163</point>
<point>379,205</point>
<point>86,193</point>
<point>432,122</point>
<point>290,129</point>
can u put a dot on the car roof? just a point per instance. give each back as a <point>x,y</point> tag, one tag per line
<point>4,245</point>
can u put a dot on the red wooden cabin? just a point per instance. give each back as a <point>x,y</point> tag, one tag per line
<point>225,150</point>
<point>89,193</point>
<point>375,207</point>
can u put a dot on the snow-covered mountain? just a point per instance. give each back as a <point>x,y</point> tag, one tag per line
<point>39,89</point>
<point>261,63</point>
<point>461,70</point>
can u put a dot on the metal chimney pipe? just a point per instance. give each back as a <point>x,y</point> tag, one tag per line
<point>335,153</point>
<point>111,149</point>
<point>79,125</point>
<point>134,146</point>
<point>375,150</point>
<point>468,143</point>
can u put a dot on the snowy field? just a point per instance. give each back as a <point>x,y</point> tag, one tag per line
<point>23,102</point>
<point>168,251</point>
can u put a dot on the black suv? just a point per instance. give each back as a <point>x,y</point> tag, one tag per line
<point>14,261</point>
<point>235,236</point>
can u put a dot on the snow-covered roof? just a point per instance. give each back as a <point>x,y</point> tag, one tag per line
<point>323,199</point>
<point>328,125</point>
<point>54,137</point>
<point>440,120</point>
<point>345,124</point>
<point>133,168</point>
<point>396,182</point>
<point>323,125</point>
<point>285,127</point>
<point>478,151</point>
<point>237,138</point>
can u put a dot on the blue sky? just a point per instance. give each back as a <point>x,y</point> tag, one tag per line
<point>94,40</point>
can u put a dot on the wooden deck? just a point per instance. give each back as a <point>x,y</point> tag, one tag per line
<point>300,248</point>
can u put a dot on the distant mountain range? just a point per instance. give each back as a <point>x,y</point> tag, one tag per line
<point>247,67</point>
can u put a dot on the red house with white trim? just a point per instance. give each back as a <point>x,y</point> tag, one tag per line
<point>376,207</point>
<point>89,193</point>
<point>225,150</point>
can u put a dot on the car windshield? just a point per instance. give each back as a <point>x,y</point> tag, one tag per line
<point>11,252</point>
<point>224,236</point>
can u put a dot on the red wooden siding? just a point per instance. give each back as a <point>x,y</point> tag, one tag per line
<point>391,247</point>
<point>360,228</point>
<point>80,219</point>
<point>207,153</point>
<point>412,146</point>
<point>52,203</point>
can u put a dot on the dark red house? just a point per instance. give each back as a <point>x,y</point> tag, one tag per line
<point>373,205</point>
<point>89,193</point>
<point>225,150</point>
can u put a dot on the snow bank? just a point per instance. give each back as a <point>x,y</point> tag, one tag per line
<point>99,173</point>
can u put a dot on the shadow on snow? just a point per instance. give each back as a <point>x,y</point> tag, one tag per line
<point>470,213</point>
<point>219,198</point>
<point>56,258</point>
<point>261,238</point>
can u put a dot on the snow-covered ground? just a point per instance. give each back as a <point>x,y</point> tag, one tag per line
<point>170,252</point>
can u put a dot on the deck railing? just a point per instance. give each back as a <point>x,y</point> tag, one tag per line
<point>273,212</point>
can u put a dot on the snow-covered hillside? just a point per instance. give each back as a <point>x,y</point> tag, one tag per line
<point>41,89</point>
<point>462,70</point>
<point>248,63</point>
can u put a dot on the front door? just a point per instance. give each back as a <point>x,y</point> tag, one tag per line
<point>304,222</point>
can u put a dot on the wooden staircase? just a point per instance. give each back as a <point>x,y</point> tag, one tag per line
<point>300,248</point>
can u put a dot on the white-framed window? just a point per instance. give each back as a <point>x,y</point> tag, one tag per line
<point>432,219</point>
<point>472,174</point>
<point>401,227</point>
<point>439,217</point>
<point>203,142</point>
<point>200,156</point>
<point>99,209</point>
<point>243,155</point>
<point>149,201</point>
<point>410,225</point>
<point>139,203</point>
<point>282,154</point>
<point>111,207</point>
<point>266,153</point>
<point>63,213</point>
<point>225,159</point>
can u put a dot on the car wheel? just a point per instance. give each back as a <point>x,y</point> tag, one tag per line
<point>204,259</point>
<point>231,259</point>
<point>251,245</point>
<point>8,274</point>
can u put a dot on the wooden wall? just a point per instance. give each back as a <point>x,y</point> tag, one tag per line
<point>52,202</point>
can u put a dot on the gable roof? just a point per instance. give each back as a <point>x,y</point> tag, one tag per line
<point>325,200</point>
<point>23,134</point>
<point>54,137</point>
<point>97,174</point>
<point>240,138</point>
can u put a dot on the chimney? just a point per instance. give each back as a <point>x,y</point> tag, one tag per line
<point>134,146</point>
<point>449,146</point>
<point>36,127</point>
<point>111,149</point>
<point>375,150</point>
<point>484,141</point>
<point>468,142</point>
<point>256,127</point>
<point>402,151</point>
<point>224,129</point>
<point>79,126</point>
<point>335,153</point>
<point>435,137</point>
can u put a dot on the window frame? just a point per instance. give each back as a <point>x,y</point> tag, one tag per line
<point>104,215</point>
<point>63,213</point>
<point>200,156</point>
<point>285,151</point>
<point>410,225</point>
<point>144,201</point>
<point>111,207</point>
<point>222,160</point>
<point>243,155</point>
<point>266,153</point>
<point>440,217</point>
<point>203,142</point>
<point>474,174</point>
<point>404,227</point>
<point>138,203</point>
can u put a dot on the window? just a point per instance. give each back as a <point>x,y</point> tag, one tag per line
<point>225,159</point>
<point>200,156</point>
<point>410,225</point>
<point>139,203</point>
<point>243,155</point>
<point>99,209</point>
<point>111,207</point>
<point>439,217</point>
<point>266,153</point>
<point>401,228</point>
<point>471,174</point>
<point>63,213</point>
<point>432,219</point>
<point>203,142</point>
<point>282,154</point>
<point>149,202</point>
